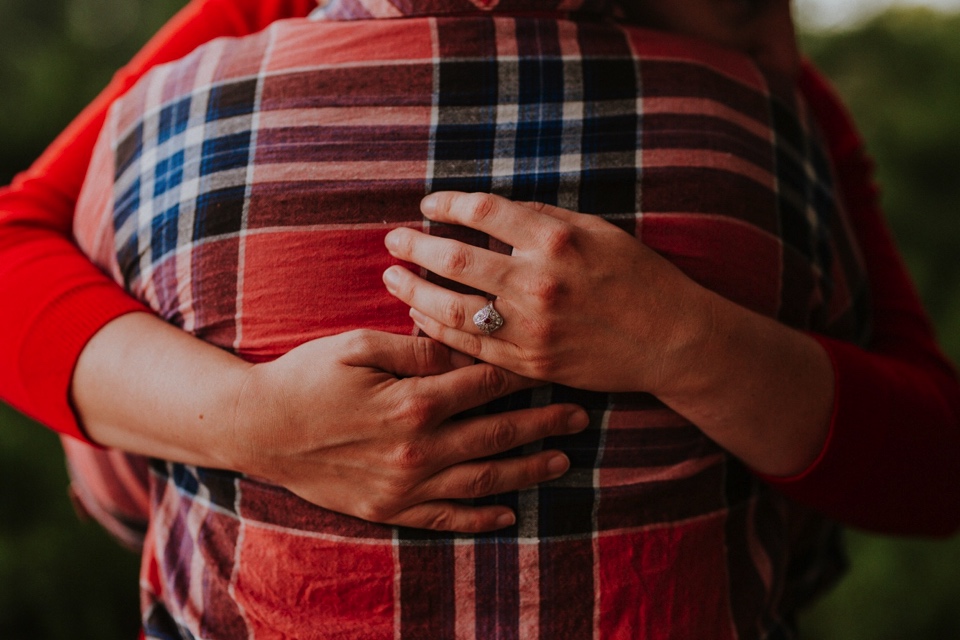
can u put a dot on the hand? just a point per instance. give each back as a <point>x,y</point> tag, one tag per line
<point>585,304</point>
<point>360,423</point>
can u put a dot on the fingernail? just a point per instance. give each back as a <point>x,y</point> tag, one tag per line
<point>417,317</point>
<point>390,241</point>
<point>391,278</point>
<point>558,464</point>
<point>429,204</point>
<point>506,520</point>
<point>578,420</point>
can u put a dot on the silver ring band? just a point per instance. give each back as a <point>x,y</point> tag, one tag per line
<point>487,319</point>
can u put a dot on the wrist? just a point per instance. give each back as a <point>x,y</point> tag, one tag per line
<point>692,336</point>
<point>758,388</point>
<point>251,410</point>
<point>146,387</point>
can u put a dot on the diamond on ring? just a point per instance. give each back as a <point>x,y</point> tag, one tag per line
<point>487,319</point>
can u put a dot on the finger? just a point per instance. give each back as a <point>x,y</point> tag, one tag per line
<point>493,477</point>
<point>520,226</point>
<point>442,515</point>
<point>564,215</point>
<point>583,220</point>
<point>484,436</point>
<point>473,266</point>
<point>491,349</point>
<point>427,402</point>
<point>453,309</point>
<point>400,355</point>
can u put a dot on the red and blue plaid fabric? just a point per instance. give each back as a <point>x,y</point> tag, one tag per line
<point>244,193</point>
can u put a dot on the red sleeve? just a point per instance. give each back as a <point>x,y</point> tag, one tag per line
<point>892,461</point>
<point>54,298</point>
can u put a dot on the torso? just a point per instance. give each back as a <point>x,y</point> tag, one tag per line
<point>325,135</point>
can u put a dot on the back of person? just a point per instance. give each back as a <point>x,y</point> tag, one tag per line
<point>244,193</point>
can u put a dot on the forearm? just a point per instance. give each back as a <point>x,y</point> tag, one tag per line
<point>890,462</point>
<point>146,387</point>
<point>761,390</point>
<point>357,422</point>
<point>54,298</point>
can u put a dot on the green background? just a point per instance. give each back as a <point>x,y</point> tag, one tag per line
<point>900,73</point>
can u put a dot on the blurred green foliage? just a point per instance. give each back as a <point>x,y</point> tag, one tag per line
<point>900,76</point>
<point>55,56</point>
<point>900,73</point>
<point>59,578</point>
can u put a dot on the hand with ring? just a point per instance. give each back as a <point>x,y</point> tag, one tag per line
<point>488,320</point>
<point>578,302</point>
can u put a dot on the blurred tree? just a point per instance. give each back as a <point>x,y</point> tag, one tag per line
<point>900,76</point>
<point>59,578</point>
<point>55,56</point>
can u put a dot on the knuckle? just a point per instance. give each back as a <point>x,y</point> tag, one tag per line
<point>501,436</point>
<point>471,344</point>
<point>442,520</point>
<point>535,205</point>
<point>455,261</point>
<point>548,289</point>
<point>396,491</point>
<point>416,411</point>
<point>426,352</point>
<point>484,483</point>
<point>453,314</point>
<point>559,240</point>
<point>359,341</point>
<point>479,206</point>
<point>372,511</point>
<point>408,457</point>
<point>495,381</point>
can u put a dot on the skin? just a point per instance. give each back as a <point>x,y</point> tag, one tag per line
<point>390,453</point>
<point>761,390</point>
<point>393,454</point>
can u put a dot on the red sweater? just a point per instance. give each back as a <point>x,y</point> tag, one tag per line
<point>890,464</point>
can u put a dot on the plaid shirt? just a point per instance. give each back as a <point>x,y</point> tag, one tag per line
<point>244,193</point>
